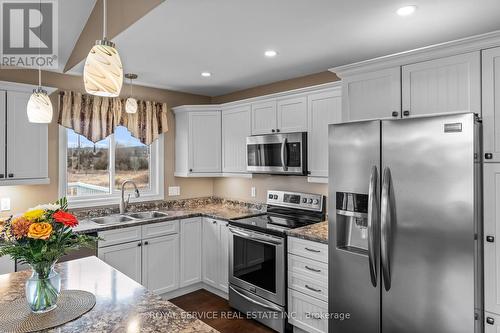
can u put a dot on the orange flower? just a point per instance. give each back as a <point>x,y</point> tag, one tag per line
<point>40,230</point>
<point>20,227</point>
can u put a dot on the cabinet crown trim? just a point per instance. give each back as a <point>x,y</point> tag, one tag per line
<point>441,50</point>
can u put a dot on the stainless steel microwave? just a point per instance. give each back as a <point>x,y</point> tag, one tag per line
<point>277,153</point>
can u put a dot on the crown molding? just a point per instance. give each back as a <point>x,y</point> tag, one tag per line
<point>459,46</point>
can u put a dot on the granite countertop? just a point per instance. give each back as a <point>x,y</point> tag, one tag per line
<point>122,305</point>
<point>216,210</point>
<point>317,232</point>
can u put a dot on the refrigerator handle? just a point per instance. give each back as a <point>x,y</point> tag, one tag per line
<point>373,226</point>
<point>386,216</point>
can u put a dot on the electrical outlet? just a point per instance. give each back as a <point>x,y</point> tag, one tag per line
<point>5,204</point>
<point>252,192</point>
<point>174,190</point>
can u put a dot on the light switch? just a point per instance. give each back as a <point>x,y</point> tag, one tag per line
<point>5,204</point>
<point>174,190</point>
<point>253,192</point>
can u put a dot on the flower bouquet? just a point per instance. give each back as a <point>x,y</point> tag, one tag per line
<point>39,238</point>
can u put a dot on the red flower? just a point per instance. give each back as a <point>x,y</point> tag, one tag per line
<point>65,218</point>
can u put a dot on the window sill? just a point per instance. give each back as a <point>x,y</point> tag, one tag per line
<point>109,201</point>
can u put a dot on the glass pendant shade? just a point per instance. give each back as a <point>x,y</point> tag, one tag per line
<point>39,107</point>
<point>103,72</point>
<point>131,105</point>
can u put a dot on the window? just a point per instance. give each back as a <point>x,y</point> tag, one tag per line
<point>92,174</point>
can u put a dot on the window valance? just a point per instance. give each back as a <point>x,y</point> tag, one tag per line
<point>96,117</point>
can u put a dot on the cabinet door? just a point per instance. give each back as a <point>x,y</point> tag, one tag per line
<point>224,256</point>
<point>323,109</point>
<point>3,128</point>
<point>491,323</point>
<point>491,103</point>
<point>124,257</point>
<point>264,118</point>
<point>205,142</point>
<point>451,84</point>
<point>491,188</point>
<point>27,143</point>
<point>372,95</point>
<point>190,258</point>
<point>292,115</point>
<point>160,263</point>
<point>236,126</point>
<point>210,252</point>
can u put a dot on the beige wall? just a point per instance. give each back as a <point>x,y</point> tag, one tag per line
<point>23,197</point>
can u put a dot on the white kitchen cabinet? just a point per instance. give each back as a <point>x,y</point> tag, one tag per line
<point>292,115</point>
<point>215,253</point>
<point>224,256</point>
<point>491,188</point>
<point>236,127</point>
<point>190,251</point>
<point>450,84</point>
<point>372,95</point>
<point>491,323</point>
<point>7,265</point>
<point>198,151</point>
<point>127,258</point>
<point>23,145</point>
<point>323,109</point>
<point>310,314</point>
<point>491,104</point>
<point>160,263</point>
<point>264,117</point>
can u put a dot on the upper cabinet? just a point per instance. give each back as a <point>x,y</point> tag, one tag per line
<point>282,116</point>
<point>451,84</point>
<point>23,145</point>
<point>372,95</point>
<point>491,104</point>
<point>198,150</point>
<point>236,126</point>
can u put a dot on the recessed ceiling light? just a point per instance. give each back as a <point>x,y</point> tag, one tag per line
<point>206,74</point>
<point>406,10</point>
<point>270,53</point>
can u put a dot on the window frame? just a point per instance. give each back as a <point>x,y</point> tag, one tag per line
<point>156,191</point>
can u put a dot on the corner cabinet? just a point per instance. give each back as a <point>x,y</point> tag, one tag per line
<point>23,145</point>
<point>198,150</point>
<point>215,253</point>
<point>491,104</point>
<point>236,127</point>
<point>190,257</point>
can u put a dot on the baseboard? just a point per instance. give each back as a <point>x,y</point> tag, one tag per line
<point>191,288</point>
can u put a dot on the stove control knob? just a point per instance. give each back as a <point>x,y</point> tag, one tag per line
<point>316,201</point>
<point>275,197</point>
<point>310,201</point>
<point>270,196</point>
<point>304,200</point>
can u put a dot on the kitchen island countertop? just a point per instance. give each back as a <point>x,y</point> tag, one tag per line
<point>122,305</point>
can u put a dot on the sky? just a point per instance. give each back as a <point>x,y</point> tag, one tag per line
<point>122,137</point>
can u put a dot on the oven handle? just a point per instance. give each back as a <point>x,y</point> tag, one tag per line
<point>266,306</point>
<point>262,239</point>
<point>284,154</point>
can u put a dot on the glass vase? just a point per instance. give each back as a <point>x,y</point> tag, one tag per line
<point>43,287</point>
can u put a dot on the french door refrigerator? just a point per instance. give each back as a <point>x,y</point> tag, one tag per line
<point>405,226</point>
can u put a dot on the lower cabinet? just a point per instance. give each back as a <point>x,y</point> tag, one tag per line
<point>127,258</point>
<point>491,323</point>
<point>215,253</point>
<point>160,262</point>
<point>190,256</point>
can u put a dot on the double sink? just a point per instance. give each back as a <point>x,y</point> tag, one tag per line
<point>113,219</point>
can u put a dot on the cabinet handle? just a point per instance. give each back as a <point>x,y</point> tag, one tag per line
<point>312,269</point>
<point>273,130</point>
<point>395,113</point>
<point>490,320</point>
<point>1,176</point>
<point>312,250</point>
<point>313,289</point>
<point>146,243</point>
<point>277,130</point>
<point>490,239</point>
<point>227,224</point>
<point>488,156</point>
<point>214,222</point>
<point>139,244</point>
<point>312,315</point>
<point>11,175</point>
<point>190,170</point>
<point>406,113</point>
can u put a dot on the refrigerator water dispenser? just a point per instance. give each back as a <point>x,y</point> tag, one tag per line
<point>352,222</point>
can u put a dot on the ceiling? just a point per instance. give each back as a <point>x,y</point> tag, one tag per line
<point>171,45</point>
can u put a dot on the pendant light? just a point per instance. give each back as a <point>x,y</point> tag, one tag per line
<point>131,103</point>
<point>103,72</point>
<point>39,107</point>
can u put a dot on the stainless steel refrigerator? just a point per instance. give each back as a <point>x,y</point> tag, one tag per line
<point>405,225</point>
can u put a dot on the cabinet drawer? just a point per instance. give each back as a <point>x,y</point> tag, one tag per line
<point>310,268</point>
<point>308,313</point>
<point>160,229</point>
<point>119,236</point>
<point>309,286</point>
<point>308,249</point>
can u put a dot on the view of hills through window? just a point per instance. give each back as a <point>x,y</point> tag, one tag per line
<point>88,164</point>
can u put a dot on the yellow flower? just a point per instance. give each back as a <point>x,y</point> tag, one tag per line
<point>40,230</point>
<point>35,214</point>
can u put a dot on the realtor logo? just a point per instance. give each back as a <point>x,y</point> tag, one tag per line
<point>29,34</point>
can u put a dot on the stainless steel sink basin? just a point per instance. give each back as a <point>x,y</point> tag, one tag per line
<point>112,219</point>
<point>147,215</point>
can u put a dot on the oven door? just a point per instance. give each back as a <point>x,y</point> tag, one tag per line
<point>277,153</point>
<point>257,263</point>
